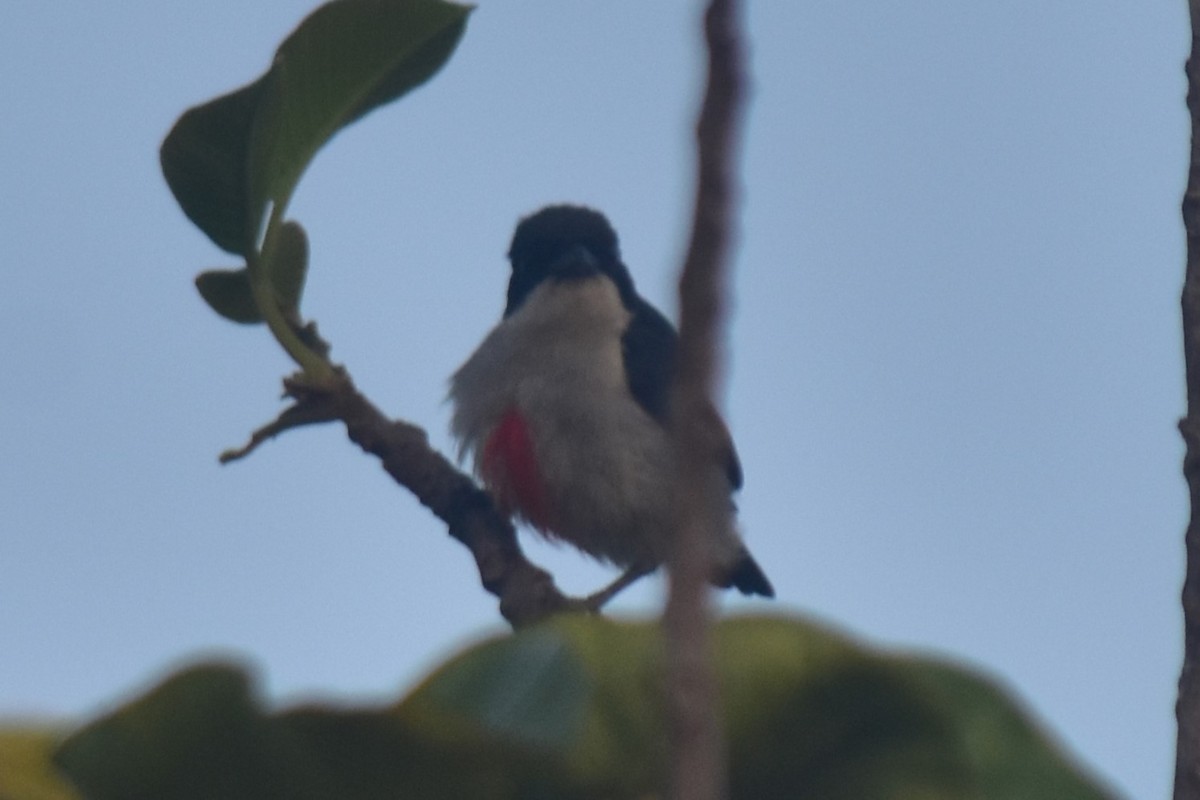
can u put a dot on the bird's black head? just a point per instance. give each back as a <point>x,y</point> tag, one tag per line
<point>564,242</point>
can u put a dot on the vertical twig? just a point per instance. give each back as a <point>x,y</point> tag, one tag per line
<point>1187,710</point>
<point>698,757</point>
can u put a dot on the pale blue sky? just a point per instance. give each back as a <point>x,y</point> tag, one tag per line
<point>955,372</point>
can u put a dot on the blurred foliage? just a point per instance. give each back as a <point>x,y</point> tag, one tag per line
<point>26,770</point>
<point>574,709</point>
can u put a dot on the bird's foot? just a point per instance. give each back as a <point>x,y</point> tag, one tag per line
<point>597,600</point>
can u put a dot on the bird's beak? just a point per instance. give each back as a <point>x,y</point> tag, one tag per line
<point>578,262</point>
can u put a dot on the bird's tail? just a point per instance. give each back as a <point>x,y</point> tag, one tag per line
<point>746,576</point>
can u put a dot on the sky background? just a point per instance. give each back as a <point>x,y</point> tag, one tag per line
<point>955,357</point>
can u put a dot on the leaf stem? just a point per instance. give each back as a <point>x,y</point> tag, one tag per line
<point>314,365</point>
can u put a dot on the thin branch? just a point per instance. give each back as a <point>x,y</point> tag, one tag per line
<point>698,753</point>
<point>527,593</point>
<point>1187,711</point>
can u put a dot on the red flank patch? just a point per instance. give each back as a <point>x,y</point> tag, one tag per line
<point>510,469</point>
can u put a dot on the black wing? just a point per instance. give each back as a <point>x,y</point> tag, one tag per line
<point>649,346</point>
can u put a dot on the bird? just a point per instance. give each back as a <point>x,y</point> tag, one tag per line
<point>564,408</point>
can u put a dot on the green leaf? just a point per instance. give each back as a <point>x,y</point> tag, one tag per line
<point>228,292</point>
<point>593,729</point>
<point>1010,756</point>
<point>197,735</point>
<point>229,160</point>
<point>347,58</point>
<point>203,734</point>
<point>808,708</point>
<point>542,690</point>
<point>289,267</point>
<point>205,158</point>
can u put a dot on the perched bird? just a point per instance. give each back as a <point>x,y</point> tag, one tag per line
<point>564,406</point>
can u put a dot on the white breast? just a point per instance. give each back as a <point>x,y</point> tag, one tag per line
<point>606,464</point>
<point>564,339</point>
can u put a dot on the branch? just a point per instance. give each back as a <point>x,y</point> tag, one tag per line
<point>527,593</point>
<point>1187,710</point>
<point>698,762</point>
